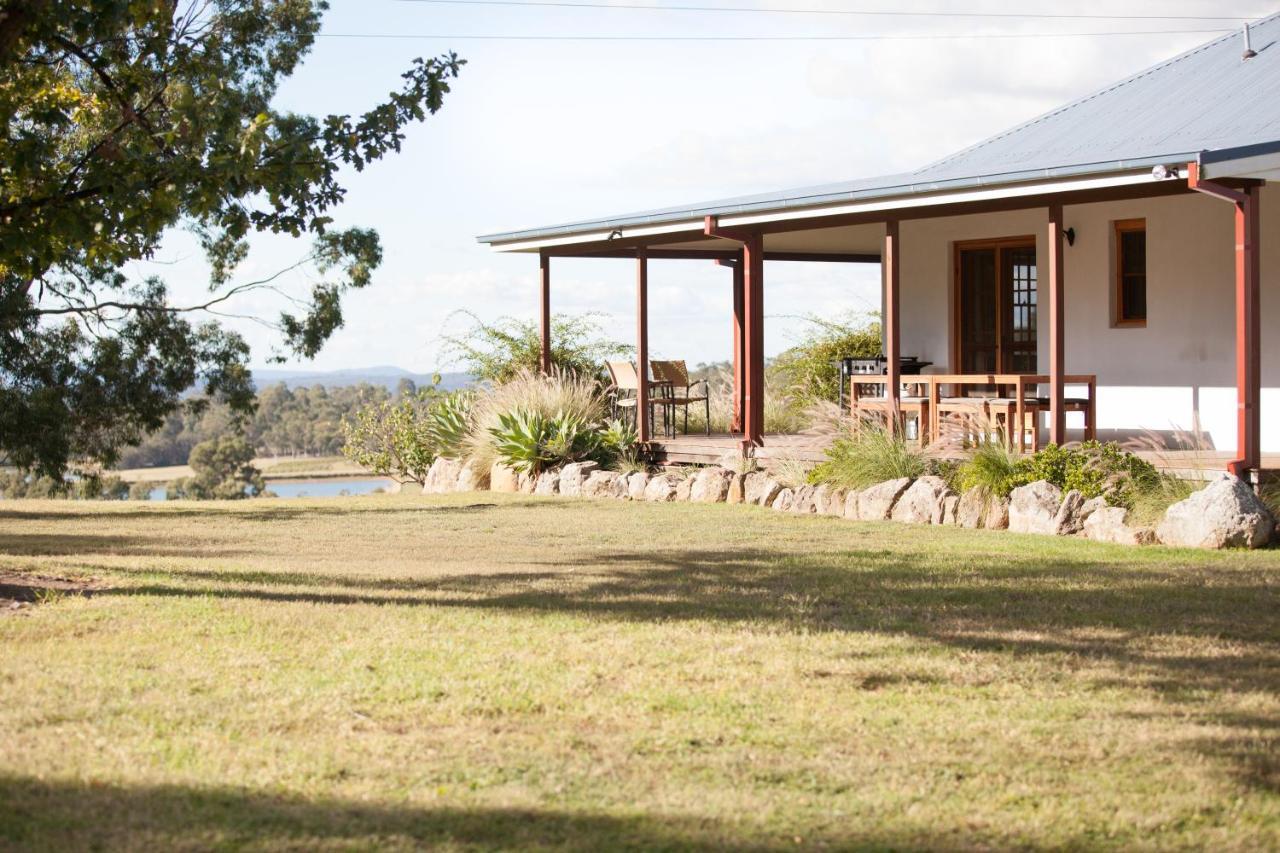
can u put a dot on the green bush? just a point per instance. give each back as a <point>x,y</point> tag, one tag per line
<point>500,351</point>
<point>1094,469</point>
<point>993,469</point>
<point>562,394</point>
<point>809,372</point>
<point>530,442</point>
<point>141,491</point>
<point>401,439</point>
<point>222,470</point>
<point>870,454</point>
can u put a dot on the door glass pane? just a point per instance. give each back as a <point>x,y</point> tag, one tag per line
<point>1133,274</point>
<point>979,311</point>
<point>1019,354</point>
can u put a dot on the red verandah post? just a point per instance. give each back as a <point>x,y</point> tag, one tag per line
<point>1057,344</point>
<point>642,346</point>
<point>1248,269</point>
<point>892,323</point>
<point>544,310</point>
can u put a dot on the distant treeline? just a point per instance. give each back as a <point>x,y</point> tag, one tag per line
<point>289,422</point>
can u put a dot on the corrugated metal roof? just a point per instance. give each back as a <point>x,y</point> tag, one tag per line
<point>1206,99</point>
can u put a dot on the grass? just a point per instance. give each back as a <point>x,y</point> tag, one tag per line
<point>490,671</point>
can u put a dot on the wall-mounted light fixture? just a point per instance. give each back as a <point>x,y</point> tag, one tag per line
<point>1165,173</point>
<point>615,234</point>
<point>1070,234</point>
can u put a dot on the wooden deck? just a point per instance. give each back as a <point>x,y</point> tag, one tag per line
<point>708,450</point>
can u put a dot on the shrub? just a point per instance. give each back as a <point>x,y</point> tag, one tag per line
<point>141,491</point>
<point>529,442</point>
<point>223,470</point>
<point>560,394</point>
<point>993,469</point>
<point>508,347</point>
<point>871,454</point>
<point>809,371</point>
<point>401,439</point>
<point>1095,470</point>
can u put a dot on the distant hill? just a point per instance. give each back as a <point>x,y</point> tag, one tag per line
<point>383,375</point>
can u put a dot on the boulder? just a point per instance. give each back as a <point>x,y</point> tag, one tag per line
<point>548,483</point>
<point>599,484</point>
<point>661,487</point>
<point>1108,524</point>
<point>802,499</point>
<point>997,514</point>
<point>922,502</point>
<point>760,489</point>
<point>1033,508</point>
<point>637,481</point>
<point>442,476</point>
<point>851,504</point>
<point>971,509</point>
<point>684,488</point>
<point>1224,514</point>
<point>784,501</point>
<point>1090,507</point>
<point>820,493</point>
<point>526,482</point>
<point>711,486</point>
<point>833,502</point>
<point>503,479</point>
<point>876,503</point>
<point>621,487</point>
<point>736,492</point>
<point>949,506</point>
<point>573,475</point>
<point>1070,517</point>
<point>472,479</point>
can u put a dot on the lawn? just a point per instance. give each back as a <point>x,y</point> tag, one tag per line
<point>488,671</point>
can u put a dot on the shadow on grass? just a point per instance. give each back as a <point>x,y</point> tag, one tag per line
<point>36,814</point>
<point>260,510</point>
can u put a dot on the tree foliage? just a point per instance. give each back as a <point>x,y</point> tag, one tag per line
<point>809,372</point>
<point>502,350</point>
<point>123,120</point>
<point>401,439</point>
<point>222,469</point>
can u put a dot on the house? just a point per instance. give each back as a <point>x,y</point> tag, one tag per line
<point>1129,235</point>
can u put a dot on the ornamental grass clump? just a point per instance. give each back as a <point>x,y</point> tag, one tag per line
<point>869,454</point>
<point>560,395</point>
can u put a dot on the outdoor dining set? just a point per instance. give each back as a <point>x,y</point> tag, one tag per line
<point>670,389</point>
<point>972,405</point>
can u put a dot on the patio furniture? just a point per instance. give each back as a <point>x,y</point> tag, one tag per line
<point>1008,398</point>
<point>624,393</point>
<point>908,365</point>
<point>675,376</point>
<point>868,394</point>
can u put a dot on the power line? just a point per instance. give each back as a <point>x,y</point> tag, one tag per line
<point>887,13</point>
<point>716,38</point>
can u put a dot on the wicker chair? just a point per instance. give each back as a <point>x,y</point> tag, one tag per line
<point>624,393</point>
<point>681,391</point>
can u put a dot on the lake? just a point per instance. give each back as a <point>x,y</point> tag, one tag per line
<point>328,487</point>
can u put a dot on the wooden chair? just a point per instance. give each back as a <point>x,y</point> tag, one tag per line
<point>868,394</point>
<point>625,389</point>
<point>675,376</point>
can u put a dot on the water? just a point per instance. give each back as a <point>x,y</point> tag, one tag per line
<point>330,487</point>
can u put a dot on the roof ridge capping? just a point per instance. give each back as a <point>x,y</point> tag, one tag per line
<point>1097,93</point>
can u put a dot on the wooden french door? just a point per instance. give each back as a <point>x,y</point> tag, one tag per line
<point>996,306</point>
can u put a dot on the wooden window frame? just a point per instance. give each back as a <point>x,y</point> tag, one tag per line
<point>1118,228</point>
<point>1025,241</point>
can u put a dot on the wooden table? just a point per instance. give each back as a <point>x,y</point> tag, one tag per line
<point>1018,383</point>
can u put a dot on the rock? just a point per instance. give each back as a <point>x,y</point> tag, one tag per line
<point>471,479</point>
<point>922,502</point>
<point>971,509</point>
<point>636,484</point>
<point>527,483</point>
<point>820,493</point>
<point>736,492</point>
<point>573,475</point>
<point>1090,507</point>
<point>949,505</point>
<point>997,514</point>
<point>548,483</point>
<point>621,487</point>
<point>1069,518</point>
<point>503,479</point>
<point>599,484</point>
<point>851,504</point>
<point>442,476</point>
<point>1108,525</point>
<point>711,486</point>
<point>684,488</point>
<point>760,489</point>
<point>802,499</point>
<point>833,502</point>
<point>784,500</point>
<point>1033,508</point>
<point>1224,514</point>
<point>661,487</point>
<point>876,503</point>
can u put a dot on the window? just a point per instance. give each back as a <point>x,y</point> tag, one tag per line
<point>1131,273</point>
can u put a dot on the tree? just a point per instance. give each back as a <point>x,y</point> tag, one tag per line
<point>124,120</point>
<point>809,372</point>
<point>507,347</point>
<point>402,438</point>
<point>222,470</point>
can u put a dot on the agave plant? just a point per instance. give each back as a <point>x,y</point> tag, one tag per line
<point>529,442</point>
<point>449,421</point>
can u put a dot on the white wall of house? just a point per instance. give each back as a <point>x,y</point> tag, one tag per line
<point>1177,370</point>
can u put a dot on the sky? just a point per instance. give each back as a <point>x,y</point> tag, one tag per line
<point>539,132</point>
